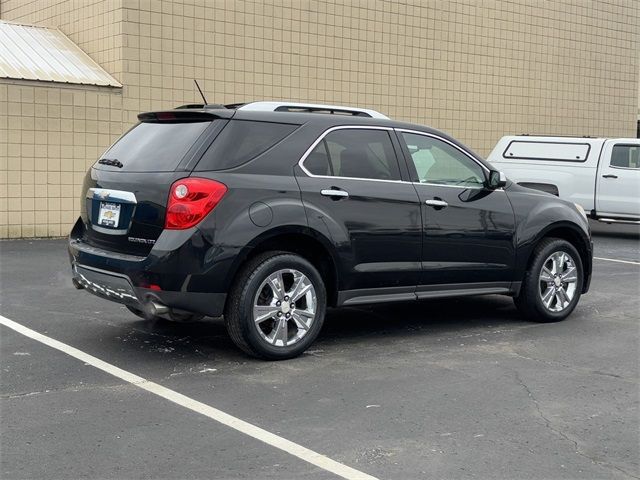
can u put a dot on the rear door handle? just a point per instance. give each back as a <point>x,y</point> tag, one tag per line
<point>610,175</point>
<point>330,192</point>
<point>436,203</point>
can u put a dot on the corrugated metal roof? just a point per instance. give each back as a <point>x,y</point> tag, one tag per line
<point>29,52</point>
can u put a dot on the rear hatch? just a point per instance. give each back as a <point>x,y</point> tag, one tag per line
<point>125,193</point>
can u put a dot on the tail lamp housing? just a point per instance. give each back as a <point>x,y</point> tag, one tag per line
<point>190,200</point>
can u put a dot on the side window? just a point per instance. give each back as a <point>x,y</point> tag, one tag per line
<point>625,156</point>
<point>438,162</point>
<point>241,141</point>
<point>355,153</point>
<point>317,162</point>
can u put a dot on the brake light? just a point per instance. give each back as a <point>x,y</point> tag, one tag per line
<point>190,200</point>
<point>165,116</point>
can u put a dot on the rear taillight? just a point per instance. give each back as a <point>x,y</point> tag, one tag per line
<point>190,200</point>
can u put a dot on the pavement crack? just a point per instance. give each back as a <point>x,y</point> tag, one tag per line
<point>71,388</point>
<point>548,424</point>
<point>20,395</point>
<point>583,371</point>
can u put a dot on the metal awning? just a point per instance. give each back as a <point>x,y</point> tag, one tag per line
<point>30,52</point>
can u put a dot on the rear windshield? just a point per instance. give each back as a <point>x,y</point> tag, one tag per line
<point>153,147</point>
<point>241,141</point>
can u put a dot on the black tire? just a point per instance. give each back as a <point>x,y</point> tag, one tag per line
<point>239,307</point>
<point>173,316</point>
<point>529,301</point>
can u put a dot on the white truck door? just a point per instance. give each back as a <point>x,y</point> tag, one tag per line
<point>618,180</point>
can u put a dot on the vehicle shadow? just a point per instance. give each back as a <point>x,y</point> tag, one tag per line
<point>208,339</point>
<point>430,317</point>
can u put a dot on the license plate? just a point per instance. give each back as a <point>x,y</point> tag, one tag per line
<point>109,215</point>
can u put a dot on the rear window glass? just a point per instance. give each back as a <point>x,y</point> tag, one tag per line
<point>568,152</point>
<point>154,147</point>
<point>241,141</point>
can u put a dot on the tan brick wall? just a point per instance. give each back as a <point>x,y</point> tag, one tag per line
<point>478,69</point>
<point>49,137</point>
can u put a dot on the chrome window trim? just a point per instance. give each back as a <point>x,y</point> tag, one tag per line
<point>370,127</point>
<point>343,127</point>
<point>464,187</point>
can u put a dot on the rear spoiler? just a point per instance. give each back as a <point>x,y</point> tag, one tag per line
<point>186,115</point>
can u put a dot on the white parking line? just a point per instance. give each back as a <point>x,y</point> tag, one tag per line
<point>615,260</point>
<point>241,426</point>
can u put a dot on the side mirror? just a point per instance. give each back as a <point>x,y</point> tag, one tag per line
<point>496,180</point>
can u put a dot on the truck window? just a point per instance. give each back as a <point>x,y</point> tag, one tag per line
<point>625,156</point>
<point>555,151</point>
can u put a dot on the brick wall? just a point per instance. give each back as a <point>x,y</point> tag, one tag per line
<point>49,137</point>
<point>478,69</point>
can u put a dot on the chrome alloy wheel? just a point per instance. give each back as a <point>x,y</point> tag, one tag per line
<point>558,281</point>
<point>284,307</point>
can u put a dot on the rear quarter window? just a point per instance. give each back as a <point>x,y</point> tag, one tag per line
<point>153,147</point>
<point>241,141</point>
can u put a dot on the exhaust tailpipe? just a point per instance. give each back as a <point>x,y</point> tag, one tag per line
<point>157,309</point>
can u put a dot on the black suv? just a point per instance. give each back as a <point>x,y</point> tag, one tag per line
<point>269,213</point>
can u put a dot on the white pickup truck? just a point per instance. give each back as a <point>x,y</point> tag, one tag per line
<point>600,174</point>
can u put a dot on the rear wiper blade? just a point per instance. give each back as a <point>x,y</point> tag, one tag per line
<point>112,162</point>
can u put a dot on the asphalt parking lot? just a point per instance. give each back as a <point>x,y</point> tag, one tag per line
<point>439,389</point>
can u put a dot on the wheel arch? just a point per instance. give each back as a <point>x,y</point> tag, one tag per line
<point>307,243</point>
<point>573,234</point>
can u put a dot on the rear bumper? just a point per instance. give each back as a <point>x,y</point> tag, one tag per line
<point>174,274</point>
<point>107,285</point>
<point>118,288</point>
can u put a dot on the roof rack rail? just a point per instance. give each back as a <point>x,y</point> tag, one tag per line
<point>306,108</point>
<point>289,107</point>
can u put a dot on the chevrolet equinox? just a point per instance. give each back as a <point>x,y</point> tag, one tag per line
<point>267,213</point>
